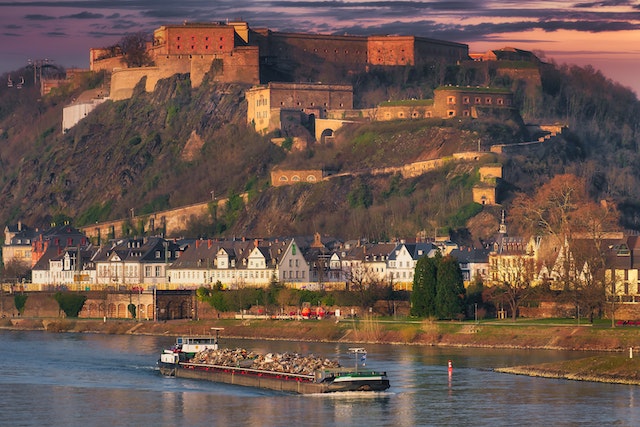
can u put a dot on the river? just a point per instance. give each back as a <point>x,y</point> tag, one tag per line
<point>50,379</point>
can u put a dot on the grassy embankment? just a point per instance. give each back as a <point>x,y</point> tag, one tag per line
<point>613,368</point>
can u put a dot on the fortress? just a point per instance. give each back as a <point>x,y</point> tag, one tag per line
<point>234,52</point>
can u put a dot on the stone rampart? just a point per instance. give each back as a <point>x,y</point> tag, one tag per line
<point>169,222</point>
<point>288,177</point>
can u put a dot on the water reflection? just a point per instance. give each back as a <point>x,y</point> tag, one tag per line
<point>102,380</point>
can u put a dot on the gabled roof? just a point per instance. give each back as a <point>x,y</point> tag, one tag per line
<point>55,254</point>
<point>416,250</point>
<point>471,255</point>
<point>205,253</point>
<point>137,250</point>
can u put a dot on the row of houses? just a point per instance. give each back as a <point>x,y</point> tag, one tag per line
<point>63,257</point>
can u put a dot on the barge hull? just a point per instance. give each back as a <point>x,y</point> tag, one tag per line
<point>236,377</point>
<point>272,381</point>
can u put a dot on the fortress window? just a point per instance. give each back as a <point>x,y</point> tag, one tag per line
<point>465,113</point>
<point>178,38</point>
<point>206,47</point>
<point>451,113</point>
<point>500,101</point>
<point>193,38</point>
<point>451,100</point>
<point>192,46</point>
<point>220,47</point>
<point>221,38</point>
<point>206,38</point>
<point>178,47</point>
<point>283,179</point>
<point>487,100</point>
<point>465,100</point>
<point>428,114</point>
<point>478,100</point>
<point>295,178</point>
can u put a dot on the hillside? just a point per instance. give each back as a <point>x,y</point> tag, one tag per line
<point>179,145</point>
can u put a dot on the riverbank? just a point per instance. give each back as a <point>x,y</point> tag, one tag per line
<point>614,368</point>
<point>525,334</point>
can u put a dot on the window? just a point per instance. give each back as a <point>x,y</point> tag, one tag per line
<point>500,101</point>
<point>465,100</point>
<point>451,100</point>
<point>487,100</point>
<point>158,271</point>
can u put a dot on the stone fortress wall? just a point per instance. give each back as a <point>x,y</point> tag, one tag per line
<point>194,48</point>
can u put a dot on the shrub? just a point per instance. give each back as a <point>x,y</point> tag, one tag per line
<point>20,300</point>
<point>70,303</point>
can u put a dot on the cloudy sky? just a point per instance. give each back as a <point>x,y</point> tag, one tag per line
<point>605,34</point>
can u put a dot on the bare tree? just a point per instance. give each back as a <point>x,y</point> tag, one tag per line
<point>134,49</point>
<point>514,277</point>
<point>575,229</point>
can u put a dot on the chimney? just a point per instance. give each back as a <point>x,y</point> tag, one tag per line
<point>209,243</point>
<point>256,242</point>
<point>19,225</point>
<point>197,244</point>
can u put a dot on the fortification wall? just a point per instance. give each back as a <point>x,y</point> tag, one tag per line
<point>490,172</point>
<point>305,95</point>
<point>288,177</point>
<point>431,50</point>
<point>403,112</point>
<point>170,221</point>
<point>484,194</point>
<point>240,66</point>
<point>106,64</point>
<point>295,48</point>
<point>391,51</point>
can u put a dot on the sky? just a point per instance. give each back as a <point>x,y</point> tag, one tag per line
<point>604,34</point>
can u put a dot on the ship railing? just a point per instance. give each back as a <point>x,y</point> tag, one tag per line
<point>340,372</point>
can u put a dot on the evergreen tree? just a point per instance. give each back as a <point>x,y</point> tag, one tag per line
<point>423,297</point>
<point>449,301</point>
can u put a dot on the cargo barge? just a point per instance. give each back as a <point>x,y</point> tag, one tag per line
<point>185,360</point>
